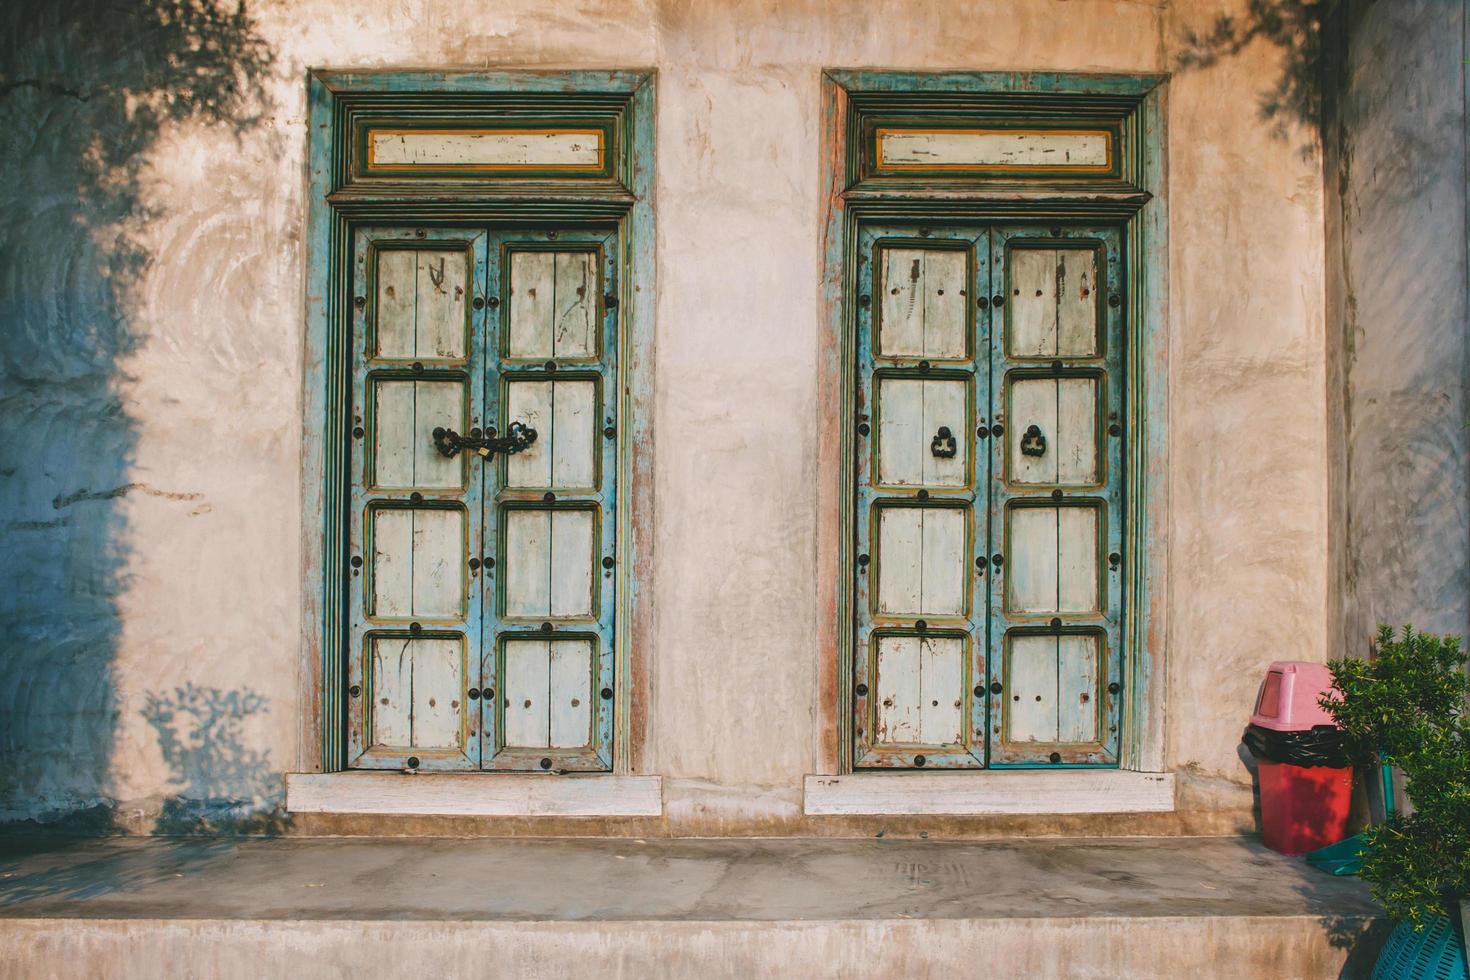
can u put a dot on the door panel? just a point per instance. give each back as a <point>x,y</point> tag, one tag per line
<point>925,312</point>
<point>1053,301</point>
<point>554,298</point>
<point>564,415</point>
<point>988,475</point>
<point>923,561</point>
<point>1053,433</point>
<point>920,691</point>
<point>422,308</point>
<point>414,513</point>
<point>919,588</point>
<point>420,562</point>
<point>548,694</point>
<point>1057,506</point>
<point>549,596</point>
<point>404,413</point>
<point>420,687</point>
<point>912,412</point>
<point>1053,697</point>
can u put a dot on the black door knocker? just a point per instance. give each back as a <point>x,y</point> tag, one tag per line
<point>517,437</point>
<point>1033,443</point>
<point>943,444</point>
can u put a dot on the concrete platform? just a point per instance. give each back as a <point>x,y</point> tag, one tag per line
<point>309,908</point>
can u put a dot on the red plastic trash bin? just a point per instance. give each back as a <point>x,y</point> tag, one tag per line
<point>1306,786</point>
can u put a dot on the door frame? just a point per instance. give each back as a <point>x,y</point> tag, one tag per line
<point>337,202</point>
<point>1135,196</point>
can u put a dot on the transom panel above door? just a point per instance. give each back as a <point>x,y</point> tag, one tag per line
<point>483,564</point>
<point>988,478</point>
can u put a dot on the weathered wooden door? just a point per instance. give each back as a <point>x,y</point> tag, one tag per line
<point>482,592</point>
<point>988,496</point>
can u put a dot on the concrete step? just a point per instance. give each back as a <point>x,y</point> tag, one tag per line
<point>307,908</point>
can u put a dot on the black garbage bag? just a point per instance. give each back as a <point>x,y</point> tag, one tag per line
<point>1324,745</point>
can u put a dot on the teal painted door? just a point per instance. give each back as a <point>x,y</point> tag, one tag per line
<point>989,496</point>
<point>482,588</point>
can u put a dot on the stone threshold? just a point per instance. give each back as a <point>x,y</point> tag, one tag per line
<point>1137,907</point>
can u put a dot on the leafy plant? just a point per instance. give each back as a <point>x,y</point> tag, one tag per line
<point>1407,704</point>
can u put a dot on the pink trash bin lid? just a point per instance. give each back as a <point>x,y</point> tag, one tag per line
<point>1287,701</point>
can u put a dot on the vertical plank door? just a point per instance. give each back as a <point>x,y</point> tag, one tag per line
<point>415,524</point>
<point>550,580</point>
<point>1057,502</point>
<point>922,368</point>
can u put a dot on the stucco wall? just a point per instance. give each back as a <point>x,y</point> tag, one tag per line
<point>1398,345</point>
<point>151,364</point>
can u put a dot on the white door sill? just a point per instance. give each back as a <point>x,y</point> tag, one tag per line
<point>475,794</point>
<point>991,792</point>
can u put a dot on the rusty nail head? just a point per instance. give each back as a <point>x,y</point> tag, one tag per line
<point>356,561</point>
<point>355,690</point>
<point>494,301</point>
<point>606,694</point>
<point>608,562</point>
<point>919,761</point>
<point>415,627</point>
<point>862,428</point>
<point>547,627</point>
<point>861,690</point>
<point>545,763</point>
<point>1056,622</point>
<point>413,762</point>
<point>357,432</point>
<point>863,559</point>
<point>1055,757</point>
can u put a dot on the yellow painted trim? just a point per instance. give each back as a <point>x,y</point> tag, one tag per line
<point>373,165</point>
<point>881,131</point>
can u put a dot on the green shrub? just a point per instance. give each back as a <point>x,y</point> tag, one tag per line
<point>1408,704</point>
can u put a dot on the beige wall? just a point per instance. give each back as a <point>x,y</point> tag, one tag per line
<point>206,525</point>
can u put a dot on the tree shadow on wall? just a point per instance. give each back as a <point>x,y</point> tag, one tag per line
<point>86,89</point>
<point>1294,97</point>
<point>224,785</point>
